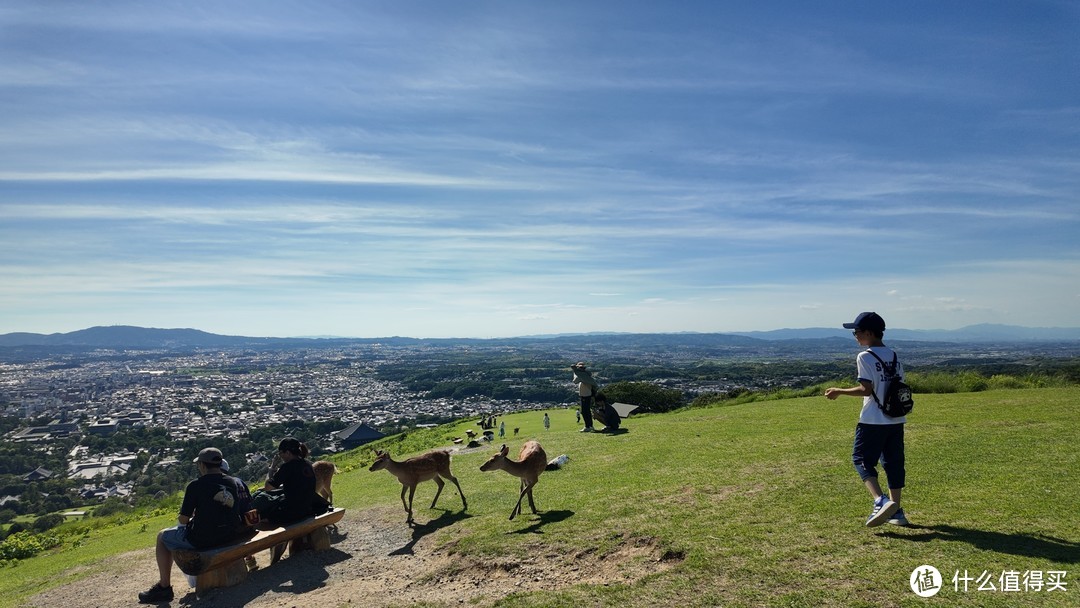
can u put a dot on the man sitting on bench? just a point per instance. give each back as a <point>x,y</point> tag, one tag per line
<point>210,515</point>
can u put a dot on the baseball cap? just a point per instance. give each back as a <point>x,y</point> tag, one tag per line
<point>211,456</point>
<point>867,320</point>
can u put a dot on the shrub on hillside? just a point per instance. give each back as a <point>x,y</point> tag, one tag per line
<point>111,506</point>
<point>24,544</point>
<point>645,395</point>
<point>47,522</point>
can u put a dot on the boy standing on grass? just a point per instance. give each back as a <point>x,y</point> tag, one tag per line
<point>877,436</point>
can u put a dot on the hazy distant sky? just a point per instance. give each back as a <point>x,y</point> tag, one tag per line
<point>481,169</point>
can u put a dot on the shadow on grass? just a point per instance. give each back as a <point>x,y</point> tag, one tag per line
<point>1025,545</point>
<point>294,574</point>
<point>546,517</point>
<point>421,530</point>
<point>619,431</point>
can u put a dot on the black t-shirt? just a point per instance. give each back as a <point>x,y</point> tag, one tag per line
<point>297,479</point>
<point>214,502</point>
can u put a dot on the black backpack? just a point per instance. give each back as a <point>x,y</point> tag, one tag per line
<point>898,401</point>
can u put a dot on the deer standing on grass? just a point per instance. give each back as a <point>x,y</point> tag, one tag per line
<point>433,465</point>
<point>530,463</point>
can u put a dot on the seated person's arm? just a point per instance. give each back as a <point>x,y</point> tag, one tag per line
<point>183,519</point>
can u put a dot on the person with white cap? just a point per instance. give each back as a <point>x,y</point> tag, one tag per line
<point>210,515</point>
<point>878,437</point>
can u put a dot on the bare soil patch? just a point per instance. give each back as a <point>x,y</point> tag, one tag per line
<point>375,560</point>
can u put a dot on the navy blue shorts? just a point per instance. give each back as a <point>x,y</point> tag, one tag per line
<point>880,443</point>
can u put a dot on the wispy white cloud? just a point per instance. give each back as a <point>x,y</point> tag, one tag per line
<point>485,169</point>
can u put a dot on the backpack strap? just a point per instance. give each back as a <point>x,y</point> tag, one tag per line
<point>889,368</point>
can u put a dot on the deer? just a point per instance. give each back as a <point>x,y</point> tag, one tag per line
<point>324,474</point>
<point>530,463</point>
<point>433,465</point>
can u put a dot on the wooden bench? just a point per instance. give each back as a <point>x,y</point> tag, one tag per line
<point>225,566</point>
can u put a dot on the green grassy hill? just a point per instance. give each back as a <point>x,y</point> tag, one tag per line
<point>748,505</point>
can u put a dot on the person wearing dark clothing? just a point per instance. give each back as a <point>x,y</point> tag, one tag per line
<point>607,414</point>
<point>296,481</point>
<point>587,387</point>
<point>211,514</point>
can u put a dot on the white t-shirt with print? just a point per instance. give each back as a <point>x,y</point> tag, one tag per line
<point>871,369</point>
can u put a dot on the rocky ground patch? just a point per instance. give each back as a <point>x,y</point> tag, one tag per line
<point>375,561</point>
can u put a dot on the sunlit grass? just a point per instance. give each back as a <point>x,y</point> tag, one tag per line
<point>759,500</point>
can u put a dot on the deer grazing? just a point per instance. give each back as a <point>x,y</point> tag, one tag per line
<point>432,465</point>
<point>530,463</point>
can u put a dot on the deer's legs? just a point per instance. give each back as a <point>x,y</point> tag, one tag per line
<point>529,490</point>
<point>517,507</point>
<point>464,505</point>
<point>408,507</point>
<point>438,481</point>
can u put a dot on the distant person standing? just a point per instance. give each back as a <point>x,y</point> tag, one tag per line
<point>587,387</point>
<point>878,437</point>
<point>502,429</point>
<point>547,422</point>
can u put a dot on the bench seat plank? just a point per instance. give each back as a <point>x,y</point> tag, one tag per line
<point>195,562</point>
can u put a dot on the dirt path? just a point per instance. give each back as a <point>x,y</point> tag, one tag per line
<point>374,560</point>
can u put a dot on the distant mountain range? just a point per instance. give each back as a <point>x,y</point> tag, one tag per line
<point>125,336</point>
<point>985,332</point>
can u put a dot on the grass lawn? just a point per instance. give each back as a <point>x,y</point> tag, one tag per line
<point>754,504</point>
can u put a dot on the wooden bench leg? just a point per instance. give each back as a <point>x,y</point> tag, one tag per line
<point>226,576</point>
<point>316,540</point>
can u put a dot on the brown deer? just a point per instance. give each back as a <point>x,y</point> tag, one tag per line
<point>530,463</point>
<point>432,465</point>
<point>324,474</point>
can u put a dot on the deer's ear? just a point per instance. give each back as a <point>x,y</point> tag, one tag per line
<point>504,451</point>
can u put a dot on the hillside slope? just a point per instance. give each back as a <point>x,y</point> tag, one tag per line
<point>746,505</point>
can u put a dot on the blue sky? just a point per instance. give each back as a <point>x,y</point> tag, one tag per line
<point>509,168</point>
